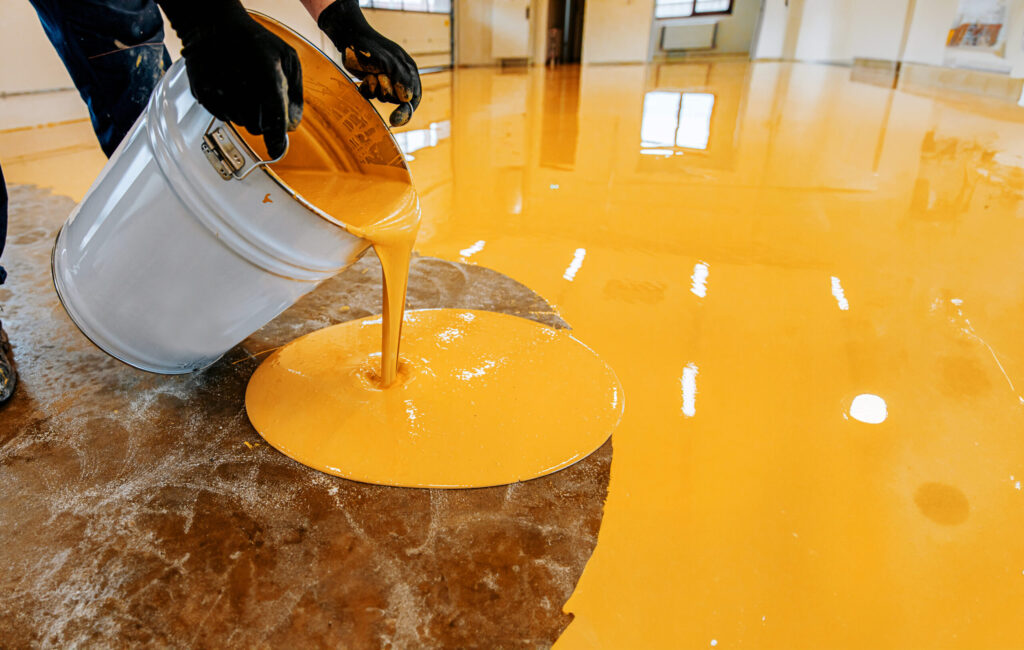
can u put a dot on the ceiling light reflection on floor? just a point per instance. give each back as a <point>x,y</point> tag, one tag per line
<point>840,295</point>
<point>699,279</point>
<point>469,251</point>
<point>869,409</point>
<point>574,266</point>
<point>688,383</point>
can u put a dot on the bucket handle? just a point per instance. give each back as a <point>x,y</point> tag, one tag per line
<point>226,155</point>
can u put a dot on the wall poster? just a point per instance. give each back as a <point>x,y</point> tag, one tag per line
<point>977,38</point>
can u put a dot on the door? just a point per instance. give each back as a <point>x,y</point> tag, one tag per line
<point>510,21</point>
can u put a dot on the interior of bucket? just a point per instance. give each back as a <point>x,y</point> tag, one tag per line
<point>341,148</point>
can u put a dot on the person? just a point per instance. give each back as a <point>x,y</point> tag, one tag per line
<point>237,69</point>
<point>8,376</point>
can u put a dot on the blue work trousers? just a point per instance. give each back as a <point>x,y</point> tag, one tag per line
<point>114,51</point>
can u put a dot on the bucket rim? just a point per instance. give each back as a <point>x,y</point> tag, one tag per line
<point>266,169</point>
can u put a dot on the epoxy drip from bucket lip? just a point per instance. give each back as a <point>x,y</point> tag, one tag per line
<point>486,399</point>
<point>345,169</point>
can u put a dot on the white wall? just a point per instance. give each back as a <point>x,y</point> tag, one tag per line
<point>1015,39</point>
<point>426,37</point>
<point>29,61</point>
<point>22,40</point>
<point>930,22</point>
<point>736,30</point>
<point>539,29</point>
<point>876,27</point>
<point>824,34</point>
<point>617,31</point>
<point>771,36</point>
<point>841,30</point>
<point>734,34</point>
<point>473,32</point>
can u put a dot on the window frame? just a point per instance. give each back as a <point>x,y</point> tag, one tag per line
<point>695,14</point>
<point>409,11</point>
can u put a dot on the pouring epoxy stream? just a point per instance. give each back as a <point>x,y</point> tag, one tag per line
<point>238,70</point>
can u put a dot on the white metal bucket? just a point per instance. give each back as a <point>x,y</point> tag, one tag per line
<point>168,262</point>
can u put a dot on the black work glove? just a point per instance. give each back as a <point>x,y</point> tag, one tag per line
<point>238,70</point>
<point>387,72</point>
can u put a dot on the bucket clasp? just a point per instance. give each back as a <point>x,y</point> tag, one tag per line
<point>226,155</point>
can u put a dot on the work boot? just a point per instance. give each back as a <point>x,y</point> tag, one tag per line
<point>8,375</point>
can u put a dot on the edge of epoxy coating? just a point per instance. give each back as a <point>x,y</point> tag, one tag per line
<point>334,472</point>
<point>443,486</point>
<point>560,465</point>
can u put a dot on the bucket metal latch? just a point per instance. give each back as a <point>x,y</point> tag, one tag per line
<point>227,157</point>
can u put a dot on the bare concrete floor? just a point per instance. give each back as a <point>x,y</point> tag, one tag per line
<point>141,509</point>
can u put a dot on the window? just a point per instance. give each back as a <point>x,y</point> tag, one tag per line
<point>430,6</point>
<point>675,120</point>
<point>684,8</point>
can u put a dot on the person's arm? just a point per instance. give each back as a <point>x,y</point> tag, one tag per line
<point>237,69</point>
<point>387,72</point>
<point>314,7</point>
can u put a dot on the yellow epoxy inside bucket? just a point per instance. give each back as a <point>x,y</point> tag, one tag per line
<point>481,399</point>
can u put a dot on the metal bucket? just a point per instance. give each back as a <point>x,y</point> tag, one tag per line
<point>188,242</point>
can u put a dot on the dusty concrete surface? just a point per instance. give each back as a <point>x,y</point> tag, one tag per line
<point>132,511</point>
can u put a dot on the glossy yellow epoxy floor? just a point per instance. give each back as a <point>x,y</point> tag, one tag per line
<point>810,290</point>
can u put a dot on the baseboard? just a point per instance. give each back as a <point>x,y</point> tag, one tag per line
<point>878,72</point>
<point>516,62</point>
<point>695,55</point>
<point>923,77</point>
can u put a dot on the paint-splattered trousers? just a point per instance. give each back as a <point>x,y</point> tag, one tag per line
<point>114,51</point>
<point>3,221</point>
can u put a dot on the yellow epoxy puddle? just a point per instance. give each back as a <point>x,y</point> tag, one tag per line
<point>481,399</point>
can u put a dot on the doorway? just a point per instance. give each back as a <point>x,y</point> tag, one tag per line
<point>565,31</point>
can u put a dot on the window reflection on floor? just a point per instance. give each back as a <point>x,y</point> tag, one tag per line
<point>410,141</point>
<point>676,119</point>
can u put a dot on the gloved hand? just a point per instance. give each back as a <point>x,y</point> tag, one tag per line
<point>387,72</point>
<point>238,70</point>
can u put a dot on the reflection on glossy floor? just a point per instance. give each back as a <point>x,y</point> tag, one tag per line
<point>809,289</point>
